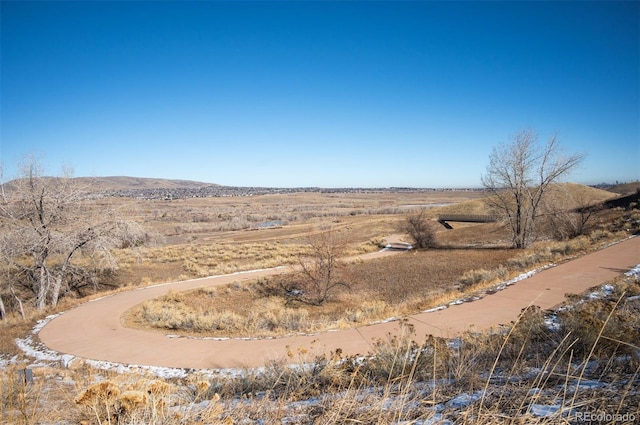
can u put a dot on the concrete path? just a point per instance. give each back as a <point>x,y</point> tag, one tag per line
<point>94,330</point>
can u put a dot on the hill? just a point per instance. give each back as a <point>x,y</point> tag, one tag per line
<point>116,183</point>
<point>570,195</point>
<point>625,188</point>
<point>123,183</point>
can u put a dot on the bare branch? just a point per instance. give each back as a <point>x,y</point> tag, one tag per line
<point>47,223</point>
<point>421,230</point>
<point>519,174</point>
<point>320,269</point>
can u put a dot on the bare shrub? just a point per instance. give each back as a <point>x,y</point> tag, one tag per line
<point>568,216</point>
<point>101,400</point>
<point>320,270</point>
<point>421,230</point>
<point>615,319</point>
<point>401,357</point>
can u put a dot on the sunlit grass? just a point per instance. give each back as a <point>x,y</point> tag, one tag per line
<point>522,372</point>
<point>395,286</point>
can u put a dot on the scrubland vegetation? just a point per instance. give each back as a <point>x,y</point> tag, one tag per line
<point>546,367</point>
<point>388,287</point>
<point>555,367</point>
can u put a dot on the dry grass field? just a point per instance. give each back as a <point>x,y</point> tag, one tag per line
<point>531,371</point>
<point>388,287</point>
<point>286,216</point>
<point>469,255</point>
<point>199,237</point>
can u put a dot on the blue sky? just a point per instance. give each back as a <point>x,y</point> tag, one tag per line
<point>330,94</point>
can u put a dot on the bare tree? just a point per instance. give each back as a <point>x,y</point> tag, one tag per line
<point>518,176</point>
<point>421,230</point>
<point>320,270</point>
<point>47,224</point>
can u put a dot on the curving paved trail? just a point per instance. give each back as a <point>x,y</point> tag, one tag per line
<point>94,330</point>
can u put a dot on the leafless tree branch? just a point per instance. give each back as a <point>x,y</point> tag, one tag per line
<point>518,176</point>
<point>47,224</point>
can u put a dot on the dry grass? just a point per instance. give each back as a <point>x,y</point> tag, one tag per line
<point>505,373</point>
<point>392,286</point>
<point>524,372</point>
<point>177,256</point>
<point>206,220</point>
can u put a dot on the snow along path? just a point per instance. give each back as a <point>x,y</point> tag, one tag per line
<point>95,331</point>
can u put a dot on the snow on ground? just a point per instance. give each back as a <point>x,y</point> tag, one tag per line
<point>634,272</point>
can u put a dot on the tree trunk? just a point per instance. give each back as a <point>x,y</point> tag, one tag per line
<point>55,290</point>
<point>3,312</point>
<point>43,288</point>
<point>519,231</point>
<point>19,303</point>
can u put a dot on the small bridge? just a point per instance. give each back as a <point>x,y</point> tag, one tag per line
<point>466,218</point>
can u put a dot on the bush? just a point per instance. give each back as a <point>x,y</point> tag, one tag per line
<point>421,230</point>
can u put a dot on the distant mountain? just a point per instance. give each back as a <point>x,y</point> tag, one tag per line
<point>116,183</point>
<point>123,183</point>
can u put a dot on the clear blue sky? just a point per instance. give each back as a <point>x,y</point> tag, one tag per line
<point>330,94</point>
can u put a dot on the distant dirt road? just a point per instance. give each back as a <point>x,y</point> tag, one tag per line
<point>94,330</point>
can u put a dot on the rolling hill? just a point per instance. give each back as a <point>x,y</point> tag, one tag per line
<point>122,183</point>
<point>129,183</point>
<point>570,195</point>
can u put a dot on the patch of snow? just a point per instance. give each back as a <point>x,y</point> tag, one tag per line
<point>464,400</point>
<point>43,354</point>
<point>387,320</point>
<point>528,274</point>
<point>534,391</point>
<point>42,323</point>
<point>40,352</point>
<point>164,372</point>
<point>602,292</point>
<point>455,343</point>
<point>431,310</point>
<point>552,322</point>
<point>194,406</point>
<point>437,418</point>
<point>634,272</point>
<point>37,350</point>
<point>585,385</point>
<point>544,410</point>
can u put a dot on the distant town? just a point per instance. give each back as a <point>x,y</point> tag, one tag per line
<point>167,189</point>
<point>234,191</point>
